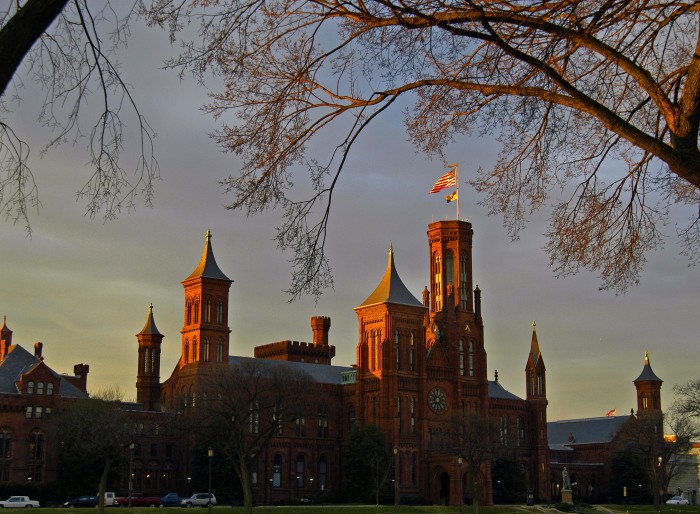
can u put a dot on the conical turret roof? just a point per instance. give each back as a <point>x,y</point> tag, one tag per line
<point>391,289</point>
<point>535,353</point>
<point>150,327</point>
<point>207,267</point>
<point>647,374</point>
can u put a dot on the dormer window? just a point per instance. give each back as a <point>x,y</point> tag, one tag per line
<point>30,387</point>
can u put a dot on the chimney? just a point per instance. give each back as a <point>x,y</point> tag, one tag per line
<point>320,325</point>
<point>81,372</point>
<point>38,346</point>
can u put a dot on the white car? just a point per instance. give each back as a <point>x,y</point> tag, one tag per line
<point>20,502</point>
<point>677,500</point>
<point>198,500</point>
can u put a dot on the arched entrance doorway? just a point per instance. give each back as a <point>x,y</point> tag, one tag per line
<point>445,489</point>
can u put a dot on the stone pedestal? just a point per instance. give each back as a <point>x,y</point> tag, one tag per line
<point>566,496</point>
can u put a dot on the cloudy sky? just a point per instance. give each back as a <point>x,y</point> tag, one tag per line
<point>82,286</point>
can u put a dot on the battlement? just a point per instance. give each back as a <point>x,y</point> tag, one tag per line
<point>295,351</point>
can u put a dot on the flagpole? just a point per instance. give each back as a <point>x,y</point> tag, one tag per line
<point>457,180</point>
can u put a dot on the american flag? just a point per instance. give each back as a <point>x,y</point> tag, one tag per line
<point>449,179</point>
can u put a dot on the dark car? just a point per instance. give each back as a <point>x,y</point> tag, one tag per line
<point>170,500</point>
<point>82,501</point>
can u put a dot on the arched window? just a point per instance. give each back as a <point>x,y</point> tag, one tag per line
<point>413,414</point>
<point>301,470</point>
<point>462,358</point>
<point>521,431</point>
<point>322,473</point>
<point>145,360</point>
<point>220,311</point>
<point>188,311</point>
<point>277,470</point>
<point>186,353</point>
<point>398,349</point>
<point>205,350</point>
<point>207,310</point>
<point>471,358</point>
<point>504,430</point>
<point>30,387</point>
<point>5,445</point>
<point>195,355</point>
<point>449,267</point>
<point>153,360</point>
<point>463,282</point>
<point>220,351</point>
<point>437,281</point>
<point>40,388</point>
<point>196,310</point>
<point>49,388</point>
<point>36,446</point>
<point>412,354</point>
<point>398,413</point>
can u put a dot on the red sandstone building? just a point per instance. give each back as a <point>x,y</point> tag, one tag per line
<point>419,364</point>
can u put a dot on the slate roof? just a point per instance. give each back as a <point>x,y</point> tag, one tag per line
<point>321,373</point>
<point>207,267</point>
<point>584,431</point>
<point>391,289</point>
<point>18,360</point>
<point>496,390</point>
<point>150,327</point>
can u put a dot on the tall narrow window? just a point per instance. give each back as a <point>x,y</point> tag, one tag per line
<point>5,444</point>
<point>540,385</point>
<point>449,268</point>
<point>413,414</point>
<point>520,423</point>
<point>220,311</point>
<point>220,351</point>
<point>398,413</point>
<point>437,281</point>
<point>196,310</point>
<point>195,355</point>
<point>532,383</point>
<point>40,388</point>
<point>504,430</point>
<point>186,353</point>
<point>301,426</point>
<point>277,471</point>
<point>49,389</point>
<point>301,471</point>
<point>463,282</point>
<point>30,387</point>
<point>398,349</point>
<point>145,360</point>
<point>276,421</point>
<point>322,420</point>
<point>373,344</point>
<point>153,360</point>
<point>413,468</point>
<point>471,358</point>
<point>205,350</point>
<point>207,310</point>
<point>36,446</point>
<point>322,473</point>
<point>188,312</point>
<point>462,358</point>
<point>254,417</point>
<point>412,354</point>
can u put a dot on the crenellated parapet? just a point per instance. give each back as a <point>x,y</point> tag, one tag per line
<point>296,351</point>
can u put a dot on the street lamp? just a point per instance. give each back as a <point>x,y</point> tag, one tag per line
<point>270,481</point>
<point>397,474</point>
<point>210,454</point>
<point>189,489</point>
<point>461,493</point>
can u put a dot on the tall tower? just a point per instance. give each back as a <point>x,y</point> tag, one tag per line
<point>5,339</point>
<point>536,395</point>
<point>148,374</point>
<point>205,332</point>
<point>648,389</point>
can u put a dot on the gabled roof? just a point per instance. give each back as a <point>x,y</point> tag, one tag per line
<point>150,327</point>
<point>570,432</point>
<point>207,267</point>
<point>647,374</point>
<point>17,361</point>
<point>391,289</point>
<point>496,390</point>
<point>321,373</point>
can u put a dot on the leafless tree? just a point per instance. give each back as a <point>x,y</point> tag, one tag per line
<point>66,48</point>
<point>246,405</point>
<point>596,105</point>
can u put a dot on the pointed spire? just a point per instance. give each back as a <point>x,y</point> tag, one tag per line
<point>150,327</point>
<point>647,374</point>
<point>534,346</point>
<point>207,267</point>
<point>391,289</point>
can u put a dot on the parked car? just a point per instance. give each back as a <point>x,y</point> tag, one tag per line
<point>139,500</point>
<point>18,502</point>
<point>82,501</point>
<point>677,500</point>
<point>170,500</point>
<point>198,500</point>
<point>110,499</point>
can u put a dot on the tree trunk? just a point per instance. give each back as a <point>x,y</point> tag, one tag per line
<point>21,32</point>
<point>103,487</point>
<point>244,477</point>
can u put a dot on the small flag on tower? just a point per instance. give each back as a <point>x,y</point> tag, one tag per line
<point>449,179</point>
<point>612,412</point>
<point>452,197</point>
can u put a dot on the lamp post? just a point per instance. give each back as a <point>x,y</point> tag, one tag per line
<point>397,474</point>
<point>131,471</point>
<point>270,481</point>
<point>29,481</point>
<point>210,454</point>
<point>657,483</point>
<point>189,488</point>
<point>461,493</point>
